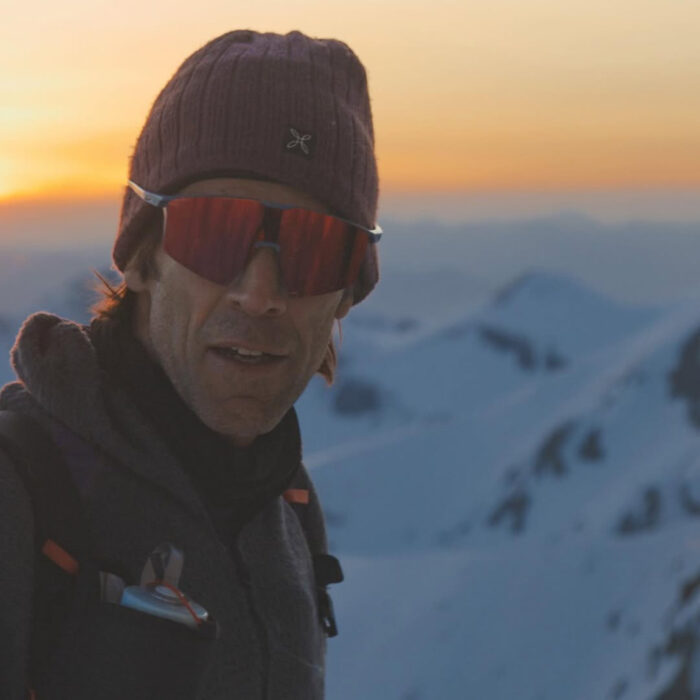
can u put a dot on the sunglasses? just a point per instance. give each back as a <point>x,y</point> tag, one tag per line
<point>215,236</point>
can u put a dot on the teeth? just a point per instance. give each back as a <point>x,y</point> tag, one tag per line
<point>247,353</point>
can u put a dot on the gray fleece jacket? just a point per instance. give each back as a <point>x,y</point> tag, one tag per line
<point>263,594</point>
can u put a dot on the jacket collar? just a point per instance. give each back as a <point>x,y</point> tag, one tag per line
<point>58,367</point>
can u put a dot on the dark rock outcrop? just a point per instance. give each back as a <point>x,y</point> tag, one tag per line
<point>513,509</point>
<point>645,517</point>
<point>357,396</point>
<point>522,349</point>
<point>550,457</point>
<point>684,380</point>
<point>591,449</point>
<point>508,342</point>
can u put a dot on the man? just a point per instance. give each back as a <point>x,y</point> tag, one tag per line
<point>247,228</point>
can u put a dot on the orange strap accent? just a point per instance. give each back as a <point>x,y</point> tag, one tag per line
<point>59,556</point>
<point>296,496</point>
<point>180,596</point>
<point>32,694</point>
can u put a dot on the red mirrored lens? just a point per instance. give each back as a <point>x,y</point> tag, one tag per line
<point>214,237</point>
<point>319,253</point>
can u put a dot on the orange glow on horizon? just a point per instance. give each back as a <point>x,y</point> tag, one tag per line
<point>466,96</point>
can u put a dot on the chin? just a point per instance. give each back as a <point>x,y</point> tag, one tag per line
<point>241,429</point>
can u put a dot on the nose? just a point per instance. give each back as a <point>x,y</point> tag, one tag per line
<point>258,290</point>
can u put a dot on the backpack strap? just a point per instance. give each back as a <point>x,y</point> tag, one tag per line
<point>58,512</point>
<point>304,502</point>
<point>60,534</point>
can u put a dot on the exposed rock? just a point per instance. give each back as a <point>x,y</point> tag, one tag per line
<point>684,380</point>
<point>513,508</point>
<point>590,449</point>
<point>682,642</point>
<point>689,588</point>
<point>508,342</point>
<point>549,459</point>
<point>647,516</point>
<point>518,345</point>
<point>689,502</point>
<point>357,396</point>
<point>509,292</point>
<point>553,361</point>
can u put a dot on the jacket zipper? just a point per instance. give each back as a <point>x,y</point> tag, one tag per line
<point>244,576</point>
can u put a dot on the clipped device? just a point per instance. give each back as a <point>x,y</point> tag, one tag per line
<point>158,592</point>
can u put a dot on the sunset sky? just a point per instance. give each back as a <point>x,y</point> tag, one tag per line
<point>469,95</point>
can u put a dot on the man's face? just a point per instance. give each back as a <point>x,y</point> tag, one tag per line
<point>191,327</point>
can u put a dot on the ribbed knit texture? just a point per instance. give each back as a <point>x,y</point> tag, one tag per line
<point>233,107</point>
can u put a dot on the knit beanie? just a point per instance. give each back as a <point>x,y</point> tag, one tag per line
<point>285,108</point>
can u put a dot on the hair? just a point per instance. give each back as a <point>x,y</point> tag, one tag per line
<point>117,302</point>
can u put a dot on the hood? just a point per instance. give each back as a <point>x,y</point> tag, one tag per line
<point>59,376</point>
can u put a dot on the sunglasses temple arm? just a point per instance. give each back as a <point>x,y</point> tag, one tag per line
<point>374,234</point>
<point>156,200</point>
<point>161,200</point>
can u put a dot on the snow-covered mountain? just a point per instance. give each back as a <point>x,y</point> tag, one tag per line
<point>516,502</point>
<point>514,493</point>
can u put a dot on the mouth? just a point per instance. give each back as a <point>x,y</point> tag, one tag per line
<point>246,356</point>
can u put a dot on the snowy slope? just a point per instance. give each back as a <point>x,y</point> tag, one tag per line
<point>514,527</point>
<point>540,331</point>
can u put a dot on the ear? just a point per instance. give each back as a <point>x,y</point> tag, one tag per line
<point>345,304</point>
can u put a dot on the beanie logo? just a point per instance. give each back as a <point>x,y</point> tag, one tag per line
<point>301,144</point>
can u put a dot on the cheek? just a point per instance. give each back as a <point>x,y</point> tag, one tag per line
<point>181,304</point>
<point>166,301</point>
<point>318,324</point>
<point>170,331</point>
